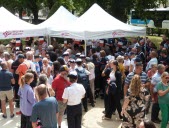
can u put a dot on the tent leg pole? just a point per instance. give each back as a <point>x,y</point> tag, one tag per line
<point>85,47</point>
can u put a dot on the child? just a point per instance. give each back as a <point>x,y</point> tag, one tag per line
<point>27,100</point>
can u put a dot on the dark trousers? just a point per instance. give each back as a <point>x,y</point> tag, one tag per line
<point>16,89</point>
<point>74,116</point>
<point>117,104</point>
<point>112,103</point>
<point>87,94</point>
<point>25,121</point>
<point>155,111</point>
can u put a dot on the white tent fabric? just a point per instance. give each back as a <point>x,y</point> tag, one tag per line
<point>13,27</point>
<point>59,20</point>
<point>96,24</point>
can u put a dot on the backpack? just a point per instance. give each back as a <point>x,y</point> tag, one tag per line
<point>82,78</point>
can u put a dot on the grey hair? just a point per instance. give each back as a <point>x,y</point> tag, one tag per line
<point>160,66</point>
<point>29,54</point>
<point>42,79</point>
<point>6,54</point>
<point>50,47</point>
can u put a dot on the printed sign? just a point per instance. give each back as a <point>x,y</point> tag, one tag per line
<point>14,33</point>
<point>118,34</point>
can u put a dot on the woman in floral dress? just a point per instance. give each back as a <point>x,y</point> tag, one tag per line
<point>133,110</point>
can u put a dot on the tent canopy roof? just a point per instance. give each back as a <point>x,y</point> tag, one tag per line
<point>96,23</point>
<point>61,18</point>
<point>13,27</point>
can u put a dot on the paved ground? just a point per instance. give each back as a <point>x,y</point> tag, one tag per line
<point>91,119</point>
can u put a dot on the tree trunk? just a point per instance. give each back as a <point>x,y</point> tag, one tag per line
<point>35,14</point>
<point>20,13</point>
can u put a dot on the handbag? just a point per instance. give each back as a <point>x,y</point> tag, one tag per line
<point>112,88</point>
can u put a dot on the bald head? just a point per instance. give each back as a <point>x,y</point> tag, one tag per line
<point>42,91</point>
<point>4,65</point>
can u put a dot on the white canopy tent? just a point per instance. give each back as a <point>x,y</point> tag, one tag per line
<point>96,24</point>
<point>59,20</point>
<point>13,27</point>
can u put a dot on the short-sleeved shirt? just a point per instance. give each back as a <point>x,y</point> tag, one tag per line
<point>5,80</point>
<point>22,68</point>
<point>58,85</point>
<point>27,99</point>
<point>163,99</point>
<point>129,77</point>
<point>45,110</point>
<point>156,78</point>
<point>74,93</point>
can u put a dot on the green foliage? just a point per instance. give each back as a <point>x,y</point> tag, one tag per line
<point>118,8</point>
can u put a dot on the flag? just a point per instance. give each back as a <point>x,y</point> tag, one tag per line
<point>18,42</point>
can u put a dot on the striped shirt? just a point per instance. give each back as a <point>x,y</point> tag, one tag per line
<point>129,77</point>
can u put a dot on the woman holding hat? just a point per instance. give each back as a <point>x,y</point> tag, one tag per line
<point>72,95</point>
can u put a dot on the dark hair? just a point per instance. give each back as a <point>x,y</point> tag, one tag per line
<point>61,60</point>
<point>56,65</point>
<point>72,80</point>
<point>149,124</point>
<point>79,63</point>
<point>115,63</point>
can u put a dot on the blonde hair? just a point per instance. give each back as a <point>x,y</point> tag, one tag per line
<point>26,78</point>
<point>120,59</point>
<point>164,74</point>
<point>135,85</point>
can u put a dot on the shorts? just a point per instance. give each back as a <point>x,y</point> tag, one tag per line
<point>8,94</point>
<point>61,107</point>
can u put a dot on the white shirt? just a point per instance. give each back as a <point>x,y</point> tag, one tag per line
<point>91,68</point>
<point>132,63</point>
<point>127,62</point>
<point>32,65</point>
<point>152,61</point>
<point>74,93</point>
<point>112,76</point>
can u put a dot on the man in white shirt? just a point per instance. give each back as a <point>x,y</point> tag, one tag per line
<point>153,60</point>
<point>132,58</point>
<point>72,95</point>
<point>91,68</point>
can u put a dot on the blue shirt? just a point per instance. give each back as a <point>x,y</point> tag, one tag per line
<point>37,67</point>
<point>156,78</point>
<point>5,80</point>
<point>27,99</point>
<point>45,110</point>
<point>143,77</point>
<point>150,63</point>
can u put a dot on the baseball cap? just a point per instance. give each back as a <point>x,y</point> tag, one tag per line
<point>71,60</point>
<point>82,56</point>
<point>21,56</point>
<point>64,68</point>
<point>66,54</point>
<point>137,59</point>
<point>78,54</point>
<point>72,74</point>
<point>131,53</point>
<point>78,60</point>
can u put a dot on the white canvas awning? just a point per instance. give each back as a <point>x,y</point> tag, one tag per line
<point>96,24</point>
<point>13,27</point>
<point>59,20</point>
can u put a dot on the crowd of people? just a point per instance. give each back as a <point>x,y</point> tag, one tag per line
<point>48,81</point>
